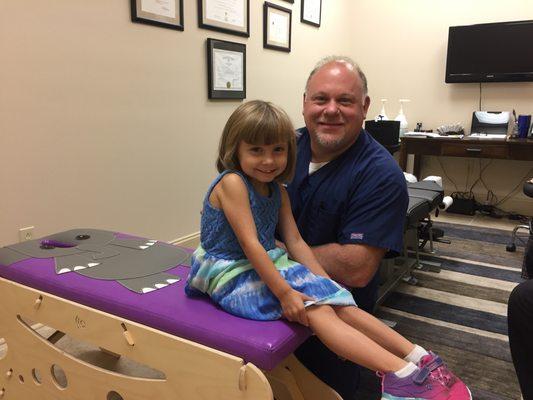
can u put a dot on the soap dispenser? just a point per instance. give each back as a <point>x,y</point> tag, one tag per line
<point>382,116</point>
<point>401,117</point>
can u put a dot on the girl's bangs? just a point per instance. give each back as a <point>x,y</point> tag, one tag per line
<point>268,132</point>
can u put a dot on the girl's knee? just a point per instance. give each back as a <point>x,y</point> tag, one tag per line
<point>351,314</point>
<point>322,309</point>
<point>345,312</point>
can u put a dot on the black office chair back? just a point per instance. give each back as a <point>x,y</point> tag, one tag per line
<point>387,133</point>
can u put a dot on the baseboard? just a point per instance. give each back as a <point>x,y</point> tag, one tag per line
<point>518,205</point>
<point>192,240</point>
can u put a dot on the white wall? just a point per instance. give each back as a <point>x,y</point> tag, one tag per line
<point>106,123</point>
<point>404,51</point>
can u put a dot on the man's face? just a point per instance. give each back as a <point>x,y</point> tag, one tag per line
<point>334,109</point>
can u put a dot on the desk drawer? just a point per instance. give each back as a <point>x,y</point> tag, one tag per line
<point>474,150</point>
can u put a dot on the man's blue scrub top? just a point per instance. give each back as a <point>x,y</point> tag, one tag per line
<point>360,197</point>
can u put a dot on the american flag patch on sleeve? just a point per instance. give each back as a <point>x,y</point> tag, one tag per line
<point>356,236</point>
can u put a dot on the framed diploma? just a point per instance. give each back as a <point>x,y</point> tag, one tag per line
<point>276,27</point>
<point>163,13</point>
<point>311,12</point>
<point>226,69</point>
<point>229,16</point>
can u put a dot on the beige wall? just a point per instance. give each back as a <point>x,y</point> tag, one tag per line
<point>106,123</point>
<point>405,57</point>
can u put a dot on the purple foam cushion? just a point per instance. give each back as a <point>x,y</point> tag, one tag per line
<point>168,309</point>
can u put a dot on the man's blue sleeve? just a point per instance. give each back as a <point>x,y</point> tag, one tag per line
<point>375,214</point>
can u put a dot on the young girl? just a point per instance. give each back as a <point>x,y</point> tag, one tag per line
<point>239,266</point>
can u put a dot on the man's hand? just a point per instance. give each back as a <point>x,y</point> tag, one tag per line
<point>292,304</point>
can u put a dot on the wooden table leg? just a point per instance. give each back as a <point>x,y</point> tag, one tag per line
<point>416,166</point>
<point>403,157</point>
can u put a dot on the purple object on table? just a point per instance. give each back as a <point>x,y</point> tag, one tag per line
<point>54,243</point>
<point>262,343</point>
<point>523,125</point>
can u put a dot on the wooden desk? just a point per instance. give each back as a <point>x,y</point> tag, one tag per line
<point>510,149</point>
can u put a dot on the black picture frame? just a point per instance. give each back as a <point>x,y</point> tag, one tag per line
<point>220,52</point>
<point>289,1</point>
<point>151,18</point>
<point>305,19</point>
<point>227,27</point>
<point>270,40</point>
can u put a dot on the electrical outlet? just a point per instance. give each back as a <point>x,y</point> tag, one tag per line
<point>26,233</point>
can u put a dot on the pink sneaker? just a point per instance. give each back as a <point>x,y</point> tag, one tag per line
<point>431,381</point>
<point>417,386</point>
<point>440,374</point>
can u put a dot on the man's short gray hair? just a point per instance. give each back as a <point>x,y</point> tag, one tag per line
<point>347,60</point>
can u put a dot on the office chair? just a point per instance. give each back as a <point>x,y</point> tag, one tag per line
<point>386,133</point>
<point>528,191</point>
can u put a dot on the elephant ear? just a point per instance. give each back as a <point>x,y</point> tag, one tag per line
<point>9,256</point>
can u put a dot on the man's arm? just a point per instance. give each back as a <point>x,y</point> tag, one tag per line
<point>353,265</point>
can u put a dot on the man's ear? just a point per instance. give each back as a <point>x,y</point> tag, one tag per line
<point>303,102</point>
<point>366,105</point>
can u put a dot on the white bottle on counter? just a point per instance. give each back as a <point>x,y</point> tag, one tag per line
<point>382,116</point>
<point>401,117</point>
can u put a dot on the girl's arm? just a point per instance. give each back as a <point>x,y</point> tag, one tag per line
<point>296,246</point>
<point>231,195</point>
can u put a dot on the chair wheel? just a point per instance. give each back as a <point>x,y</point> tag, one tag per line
<point>511,247</point>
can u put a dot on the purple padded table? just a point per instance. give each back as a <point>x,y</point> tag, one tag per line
<point>168,309</point>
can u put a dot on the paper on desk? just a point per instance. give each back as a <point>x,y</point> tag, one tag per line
<point>431,135</point>
<point>486,136</point>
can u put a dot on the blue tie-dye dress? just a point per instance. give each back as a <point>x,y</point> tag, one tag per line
<point>220,268</point>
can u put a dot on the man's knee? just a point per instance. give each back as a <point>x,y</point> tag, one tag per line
<point>521,298</point>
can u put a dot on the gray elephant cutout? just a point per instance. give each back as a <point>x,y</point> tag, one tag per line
<point>137,264</point>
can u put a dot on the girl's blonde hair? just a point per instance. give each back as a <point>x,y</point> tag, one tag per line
<point>257,122</point>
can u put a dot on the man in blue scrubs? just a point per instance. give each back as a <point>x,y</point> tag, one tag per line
<point>349,199</point>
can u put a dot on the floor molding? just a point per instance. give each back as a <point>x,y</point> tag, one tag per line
<point>192,240</point>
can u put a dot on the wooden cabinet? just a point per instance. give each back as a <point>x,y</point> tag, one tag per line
<point>474,150</point>
<point>510,149</point>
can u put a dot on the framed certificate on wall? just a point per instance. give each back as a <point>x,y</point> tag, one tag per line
<point>276,27</point>
<point>226,69</point>
<point>163,13</point>
<point>229,16</point>
<point>311,12</point>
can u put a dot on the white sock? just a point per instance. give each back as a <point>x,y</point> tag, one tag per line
<point>406,371</point>
<point>416,354</point>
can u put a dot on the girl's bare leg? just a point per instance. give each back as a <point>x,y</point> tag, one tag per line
<point>349,343</point>
<point>376,330</point>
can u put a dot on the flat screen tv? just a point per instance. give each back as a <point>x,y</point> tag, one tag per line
<point>495,52</point>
